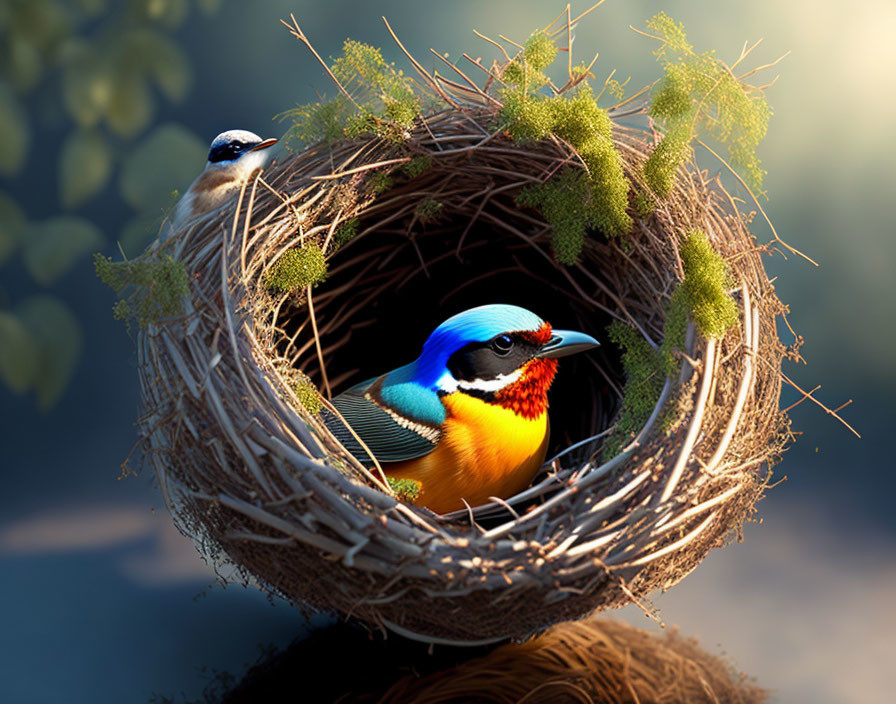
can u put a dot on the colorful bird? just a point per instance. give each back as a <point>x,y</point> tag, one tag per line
<point>232,158</point>
<point>468,418</point>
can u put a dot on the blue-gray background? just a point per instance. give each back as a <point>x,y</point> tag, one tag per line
<point>99,594</point>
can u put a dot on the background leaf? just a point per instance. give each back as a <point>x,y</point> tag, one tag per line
<point>59,341</point>
<point>169,13</point>
<point>24,63</point>
<point>85,163</point>
<point>169,158</point>
<point>54,245</point>
<point>15,130</point>
<point>209,7</point>
<point>18,353</point>
<point>86,83</point>
<point>161,59</point>
<point>130,105</point>
<point>12,223</point>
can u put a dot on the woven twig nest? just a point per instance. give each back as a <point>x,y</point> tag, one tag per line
<point>251,472</point>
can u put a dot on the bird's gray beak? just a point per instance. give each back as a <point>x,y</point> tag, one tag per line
<point>566,342</point>
<point>264,144</point>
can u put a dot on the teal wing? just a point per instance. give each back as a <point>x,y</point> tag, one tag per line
<point>387,435</point>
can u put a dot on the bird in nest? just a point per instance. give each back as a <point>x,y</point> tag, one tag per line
<point>234,155</point>
<point>468,419</point>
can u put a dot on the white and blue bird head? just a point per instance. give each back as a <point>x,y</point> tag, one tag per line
<point>241,146</point>
<point>233,156</point>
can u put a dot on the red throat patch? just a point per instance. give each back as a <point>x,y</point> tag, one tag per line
<point>528,395</point>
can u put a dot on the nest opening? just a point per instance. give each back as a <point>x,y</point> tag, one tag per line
<point>399,288</point>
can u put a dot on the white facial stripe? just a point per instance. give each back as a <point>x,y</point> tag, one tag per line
<point>449,384</point>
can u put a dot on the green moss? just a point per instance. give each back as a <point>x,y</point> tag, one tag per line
<point>646,369</point>
<point>572,205</point>
<point>150,289</point>
<point>428,210</point>
<point>526,70</point>
<point>346,232</point>
<point>307,394</point>
<point>401,112</point>
<point>564,203</point>
<point>643,203</point>
<point>359,124</point>
<point>666,157</point>
<point>700,94</point>
<point>528,118</point>
<point>406,490</point>
<point>382,101</point>
<point>540,51</point>
<point>380,182</point>
<point>297,268</point>
<point>644,379</point>
<point>417,166</point>
<point>324,120</point>
<point>706,277</point>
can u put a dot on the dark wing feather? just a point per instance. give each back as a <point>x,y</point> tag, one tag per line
<point>386,439</point>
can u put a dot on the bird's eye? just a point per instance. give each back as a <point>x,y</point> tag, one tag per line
<point>502,344</point>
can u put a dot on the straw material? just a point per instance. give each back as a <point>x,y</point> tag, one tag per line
<point>598,661</point>
<point>260,483</point>
<point>593,662</point>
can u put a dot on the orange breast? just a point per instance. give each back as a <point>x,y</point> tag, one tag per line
<point>485,450</point>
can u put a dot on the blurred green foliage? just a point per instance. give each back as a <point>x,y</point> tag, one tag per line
<point>100,66</point>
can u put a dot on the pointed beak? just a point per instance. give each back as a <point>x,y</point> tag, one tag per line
<point>566,342</point>
<point>264,144</point>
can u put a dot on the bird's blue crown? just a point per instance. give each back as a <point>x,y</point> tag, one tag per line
<point>412,388</point>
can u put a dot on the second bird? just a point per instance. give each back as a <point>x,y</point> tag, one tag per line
<point>468,418</point>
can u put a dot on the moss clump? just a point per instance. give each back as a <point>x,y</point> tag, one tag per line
<point>702,296</point>
<point>346,232</point>
<point>576,118</point>
<point>406,490</point>
<point>526,70</point>
<point>380,182</point>
<point>323,121</point>
<point>381,102</point>
<point>428,210</point>
<point>706,277</point>
<point>563,202</point>
<point>150,289</point>
<point>701,93</point>
<point>307,394</point>
<point>297,268</point>
<point>417,166</point>
<point>644,379</point>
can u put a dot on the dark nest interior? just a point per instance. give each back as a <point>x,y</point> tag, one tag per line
<point>399,289</point>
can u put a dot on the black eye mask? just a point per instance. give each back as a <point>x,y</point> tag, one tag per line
<point>489,360</point>
<point>227,152</point>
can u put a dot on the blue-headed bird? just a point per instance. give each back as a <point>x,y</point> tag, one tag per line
<point>232,158</point>
<point>468,418</point>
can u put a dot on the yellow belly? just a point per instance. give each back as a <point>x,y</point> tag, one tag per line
<point>485,450</point>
